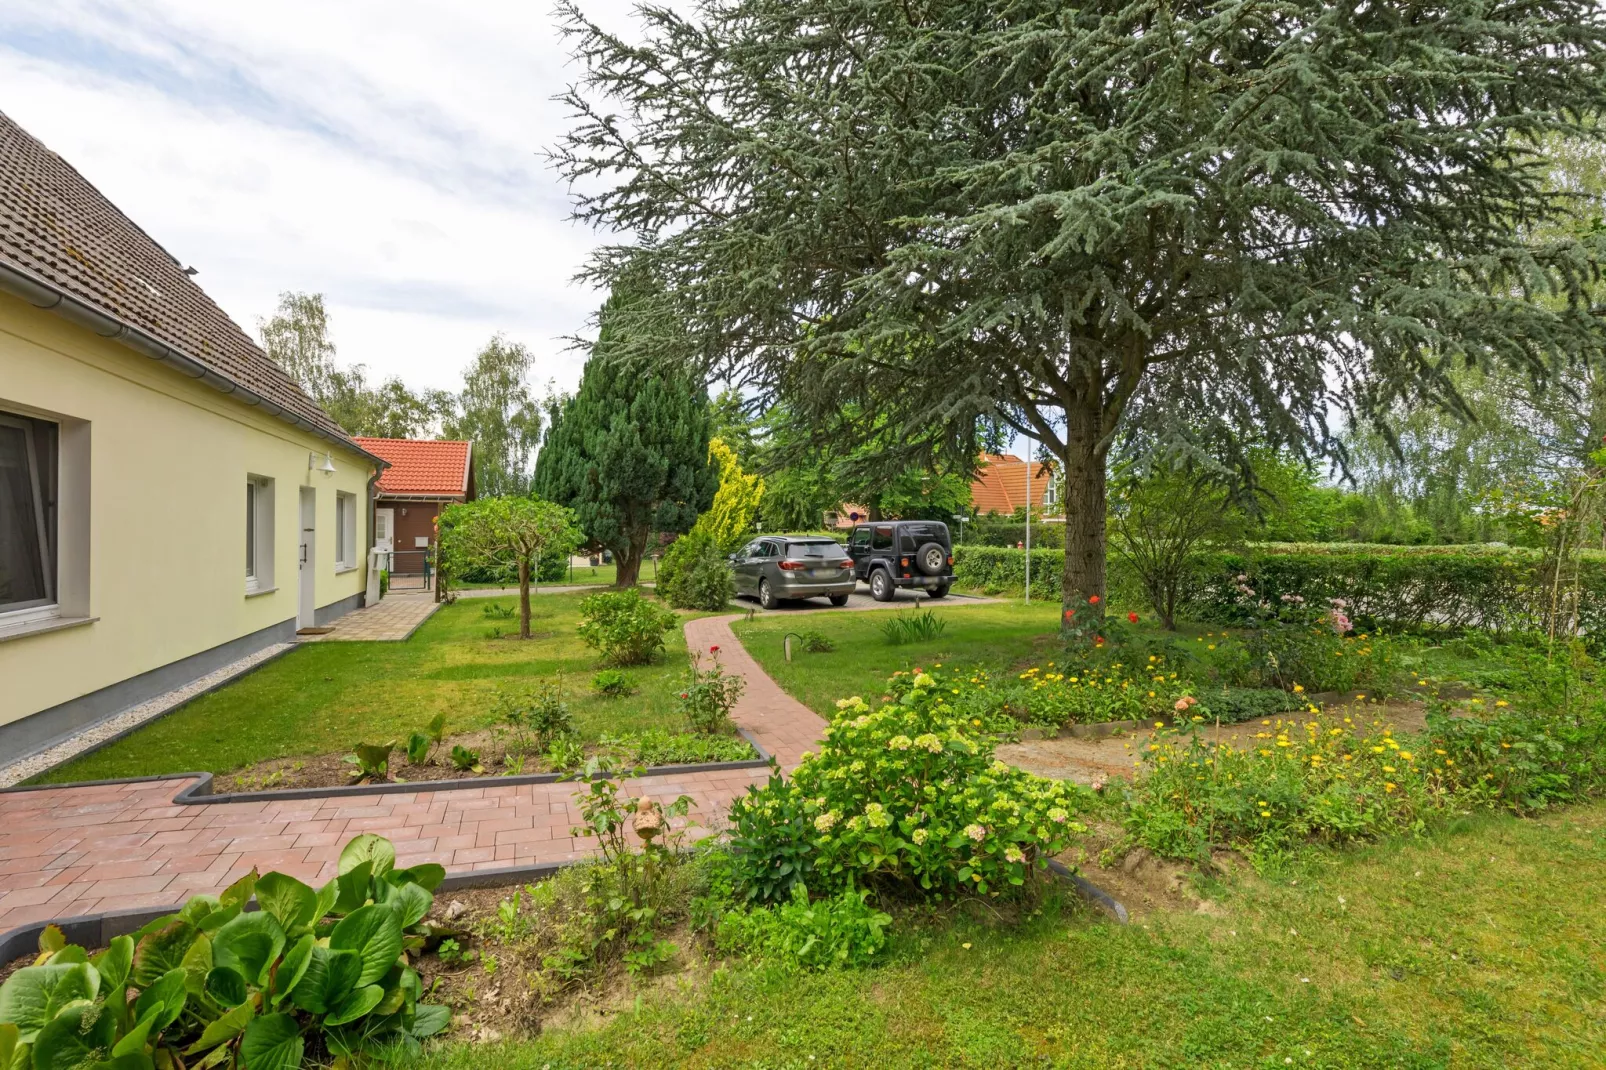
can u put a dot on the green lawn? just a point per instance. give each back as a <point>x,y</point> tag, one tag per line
<point>326,697</point>
<point>1475,947</point>
<point>996,634</point>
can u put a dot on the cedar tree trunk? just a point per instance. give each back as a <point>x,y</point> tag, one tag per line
<point>1085,502</point>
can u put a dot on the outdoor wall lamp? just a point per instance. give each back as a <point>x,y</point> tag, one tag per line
<point>327,467</point>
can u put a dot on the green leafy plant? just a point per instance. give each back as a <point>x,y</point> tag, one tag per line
<point>421,745</point>
<point>921,626</point>
<point>465,760</point>
<point>695,573</point>
<point>612,682</point>
<point>708,695</point>
<point>655,746</point>
<point>372,761</point>
<point>843,931</point>
<point>816,642</point>
<point>625,628</point>
<point>215,986</point>
<point>497,611</point>
<point>566,753</point>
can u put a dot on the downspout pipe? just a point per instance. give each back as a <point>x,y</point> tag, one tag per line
<point>45,296</point>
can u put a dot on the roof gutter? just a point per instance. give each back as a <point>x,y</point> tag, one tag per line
<point>51,298</point>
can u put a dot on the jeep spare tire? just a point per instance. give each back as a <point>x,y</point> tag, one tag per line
<point>930,558</point>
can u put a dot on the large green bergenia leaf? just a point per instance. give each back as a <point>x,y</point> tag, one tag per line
<point>412,901</point>
<point>10,1040</point>
<point>287,899</point>
<point>134,1039</point>
<point>375,933</point>
<point>431,1019</point>
<point>251,943</point>
<point>368,848</point>
<point>167,995</point>
<point>427,875</point>
<point>81,1035</point>
<point>330,975</point>
<point>225,1028</point>
<point>34,995</point>
<point>355,1005</point>
<point>239,893</point>
<point>352,888</point>
<point>226,986</point>
<point>271,1042</point>
<point>158,952</point>
<point>197,964</point>
<point>293,967</point>
<point>114,965</point>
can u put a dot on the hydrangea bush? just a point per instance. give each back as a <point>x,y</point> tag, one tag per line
<point>908,794</point>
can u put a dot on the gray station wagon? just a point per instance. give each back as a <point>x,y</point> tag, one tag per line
<point>777,568</point>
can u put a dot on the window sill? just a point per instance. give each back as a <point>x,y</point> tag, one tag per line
<point>41,626</point>
<point>341,570</point>
<point>260,591</point>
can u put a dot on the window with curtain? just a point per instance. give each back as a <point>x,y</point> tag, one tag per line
<point>345,530</point>
<point>29,456</point>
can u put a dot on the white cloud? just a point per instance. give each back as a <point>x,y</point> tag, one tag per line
<point>385,154</point>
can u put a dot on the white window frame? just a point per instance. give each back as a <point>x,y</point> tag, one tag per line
<point>259,519</point>
<point>345,531</point>
<point>44,508</point>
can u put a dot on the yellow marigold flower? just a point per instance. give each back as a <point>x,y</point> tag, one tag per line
<point>1501,702</point>
<point>1388,769</point>
<point>1387,786</point>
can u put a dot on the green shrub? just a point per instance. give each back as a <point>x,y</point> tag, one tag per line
<point>465,760</point>
<point>695,573</point>
<point>921,626</point>
<point>624,627</point>
<point>224,988</point>
<point>611,682</point>
<point>908,795</point>
<point>542,715</point>
<point>708,695</point>
<point>844,931</point>
<point>421,745</point>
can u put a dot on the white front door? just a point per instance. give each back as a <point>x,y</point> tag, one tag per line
<point>384,529</point>
<point>306,604</point>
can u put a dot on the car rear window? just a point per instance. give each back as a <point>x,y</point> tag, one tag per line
<point>915,534</point>
<point>823,548</point>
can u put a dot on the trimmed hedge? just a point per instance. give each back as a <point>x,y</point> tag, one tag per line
<point>1497,588</point>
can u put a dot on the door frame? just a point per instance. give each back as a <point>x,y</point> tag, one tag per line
<point>307,559</point>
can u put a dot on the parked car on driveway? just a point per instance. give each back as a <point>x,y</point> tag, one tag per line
<point>889,554</point>
<point>777,568</point>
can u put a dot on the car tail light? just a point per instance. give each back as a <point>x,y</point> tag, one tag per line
<point>845,563</point>
<point>904,561</point>
<point>950,559</point>
<point>793,566</point>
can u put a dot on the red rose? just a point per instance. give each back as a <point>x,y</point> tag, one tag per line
<point>713,650</point>
<point>1099,641</point>
<point>1133,617</point>
<point>1069,613</point>
<point>1092,599</point>
<point>683,694</point>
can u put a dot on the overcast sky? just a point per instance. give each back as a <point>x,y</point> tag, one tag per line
<point>384,154</point>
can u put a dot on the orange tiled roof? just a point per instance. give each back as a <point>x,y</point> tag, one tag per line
<point>423,468</point>
<point>1000,484</point>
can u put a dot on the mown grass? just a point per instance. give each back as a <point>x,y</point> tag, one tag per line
<point>1477,946</point>
<point>326,697</point>
<point>580,574</point>
<point>996,635</point>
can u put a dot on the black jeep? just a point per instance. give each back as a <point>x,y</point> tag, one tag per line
<point>889,554</point>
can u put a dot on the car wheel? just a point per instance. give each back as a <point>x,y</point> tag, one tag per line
<point>881,585</point>
<point>766,597</point>
<point>839,600</point>
<point>931,558</point>
<point>938,592</point>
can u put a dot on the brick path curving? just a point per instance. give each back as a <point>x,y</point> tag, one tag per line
<point>86,850</point>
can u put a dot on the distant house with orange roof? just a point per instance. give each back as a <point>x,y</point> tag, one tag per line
<point>1000,486</point>
<point>425,476</point>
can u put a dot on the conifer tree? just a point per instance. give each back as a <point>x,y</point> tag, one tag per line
<point>628,452</point>
<point>1202,224</point>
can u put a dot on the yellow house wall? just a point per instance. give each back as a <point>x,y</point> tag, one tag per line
<point>168,460</point>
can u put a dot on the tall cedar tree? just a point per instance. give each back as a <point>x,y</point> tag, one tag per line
<point>1190,222</point>
<point>629,453</point>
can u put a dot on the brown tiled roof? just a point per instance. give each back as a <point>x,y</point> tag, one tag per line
<point>422,468</point>
<point>59,230</point>
<point>1000,484</point>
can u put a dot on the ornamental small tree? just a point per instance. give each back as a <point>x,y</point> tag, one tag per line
<point>730,518</point>
<point>497,532</point>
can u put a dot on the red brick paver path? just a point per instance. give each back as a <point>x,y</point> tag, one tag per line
<point>86,850</point>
